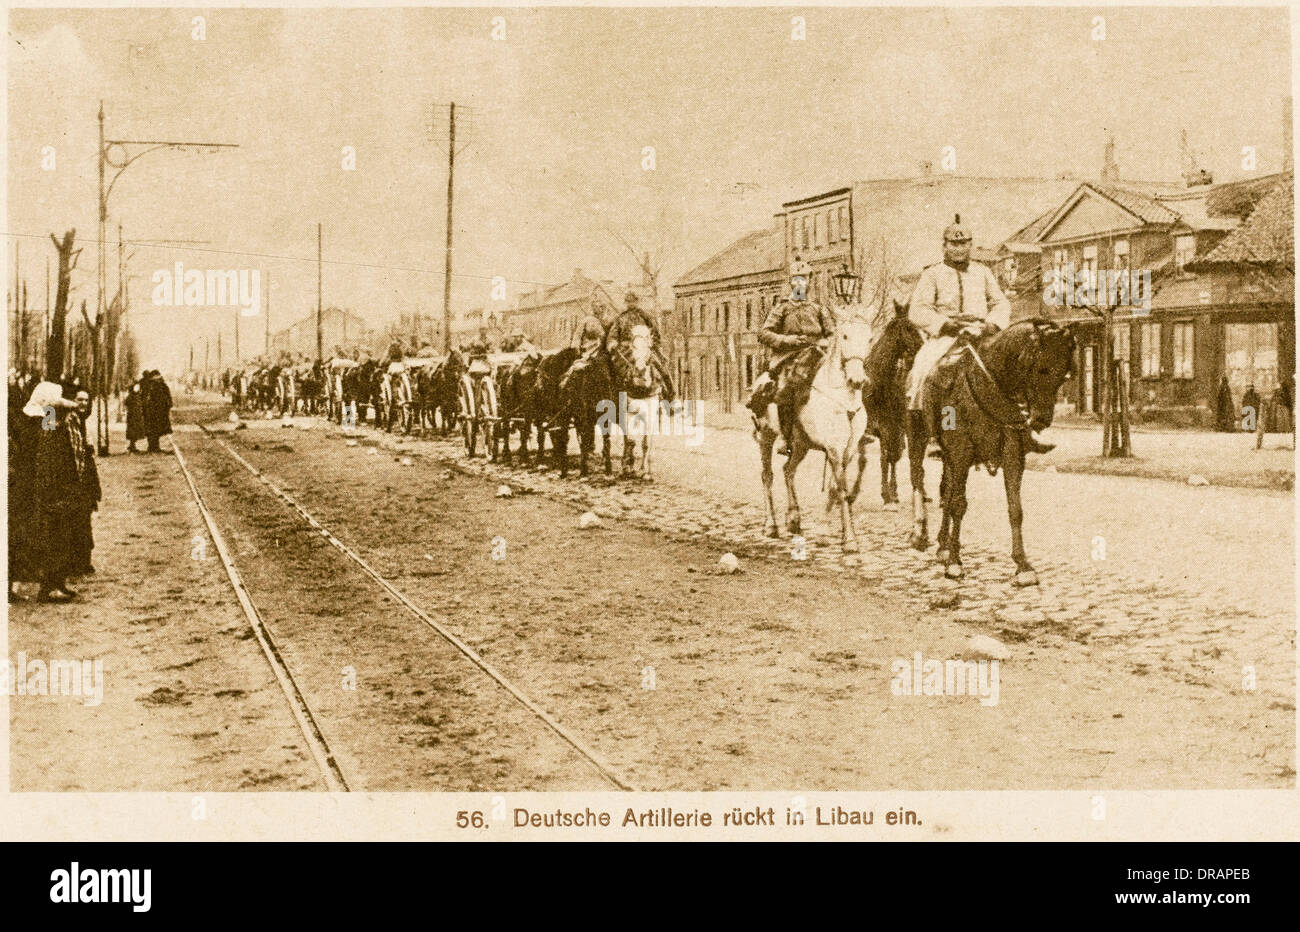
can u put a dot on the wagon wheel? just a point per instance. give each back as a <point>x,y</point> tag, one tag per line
<point>488,410</point>
<point>468,415</point>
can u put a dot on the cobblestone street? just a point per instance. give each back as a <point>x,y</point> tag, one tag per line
<point>1184,589</point>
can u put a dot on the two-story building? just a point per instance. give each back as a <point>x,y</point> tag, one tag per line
<point>1202,318</point>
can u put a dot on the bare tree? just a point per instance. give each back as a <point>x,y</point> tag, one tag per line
<point>59,315</point>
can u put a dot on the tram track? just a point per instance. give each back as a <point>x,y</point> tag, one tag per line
<point>408,607</point>
<point>331,772</point>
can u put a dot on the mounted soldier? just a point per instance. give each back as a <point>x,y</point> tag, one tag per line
<point>622,333</point>
<point>797,332</point>
<point>957,303</point>
<point>477,353</point>
<point>517,342</point>
<point>591,343</point>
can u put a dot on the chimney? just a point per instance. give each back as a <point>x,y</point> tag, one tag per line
<point>1109,170</point>
<point>1287,134</point>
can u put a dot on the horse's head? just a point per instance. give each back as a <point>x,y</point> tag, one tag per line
<point>641,346</point>
<point>852,344</point>
<point>1041,358</point>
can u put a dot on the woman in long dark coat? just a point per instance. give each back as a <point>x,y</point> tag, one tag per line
<point>135,414</point>
<point>83,536</point>
<point>23,432</point>
<point>157,409</point>
<point>62,492</point>
<point>1225,413</point>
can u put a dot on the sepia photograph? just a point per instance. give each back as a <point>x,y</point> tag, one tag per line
<point>615,402</point>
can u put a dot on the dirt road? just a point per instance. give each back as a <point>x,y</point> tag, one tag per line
<point>680,675</point>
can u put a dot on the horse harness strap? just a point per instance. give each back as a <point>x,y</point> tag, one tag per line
<point>1011,419</point>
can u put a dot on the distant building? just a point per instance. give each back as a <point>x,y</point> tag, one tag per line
<point>720,307</point>
<point>338,328</point>
<point>551,315</point>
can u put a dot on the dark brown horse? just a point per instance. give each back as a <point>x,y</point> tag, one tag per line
<point>583,391</point>
<point>977,407</point>
<point>443,391</point>
<point>885,397</point>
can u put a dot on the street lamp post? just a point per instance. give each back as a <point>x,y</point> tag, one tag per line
<point>846,285</point>
<point>107,160</point>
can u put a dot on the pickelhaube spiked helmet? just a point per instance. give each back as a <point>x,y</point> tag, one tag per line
<point>800,268</point>
<point>956,231</point>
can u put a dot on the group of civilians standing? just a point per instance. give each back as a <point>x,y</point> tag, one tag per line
<point>53,481</point>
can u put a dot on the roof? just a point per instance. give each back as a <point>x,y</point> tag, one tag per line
<point>759,251</point>
<point>1147,208</point>
<point>1030,232</point>
<point>909,215</point>
<point>1266,238</point>
<point>1144,208</point>
<point>579,288</point>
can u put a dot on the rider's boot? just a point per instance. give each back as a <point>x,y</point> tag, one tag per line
<point>1031,444</point>
<point>785,418</point>
<point>761,395</point>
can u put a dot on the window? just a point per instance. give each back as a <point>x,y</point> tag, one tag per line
<point>726,315</point>
<point>1250,357</point>
<point>1121,253</point>
<point>1150,351</point>
<point>819,230</point>
<point>1058,263</point>
<point>717,319</point>
<point>749,314</point>
<point>1184,349</point>
<point>1120,347</point>
<point>844,223</point>
<point>1184,250</point>
<point>832,226</point>
<point>717,373</point>
<point>1090,262</point>
<point>749,370</point>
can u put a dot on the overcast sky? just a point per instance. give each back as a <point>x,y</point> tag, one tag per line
<point>740,115</point>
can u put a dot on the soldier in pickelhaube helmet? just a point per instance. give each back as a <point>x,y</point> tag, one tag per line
<point>618,339</point>
<point>793,325</point>
<point>956,299</point>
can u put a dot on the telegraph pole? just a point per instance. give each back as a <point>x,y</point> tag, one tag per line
<point>435,133</point>
<point>268,317</point>
<point>320,336</point>
<point>45,338</point>
<point>451,187</point>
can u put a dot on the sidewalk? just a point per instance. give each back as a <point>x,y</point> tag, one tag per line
<point>1229,460</point>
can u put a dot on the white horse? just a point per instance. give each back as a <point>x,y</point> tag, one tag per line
<point>640,415</point>
<point>832,420</point>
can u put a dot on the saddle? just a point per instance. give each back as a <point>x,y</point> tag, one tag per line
<point>795,377</point>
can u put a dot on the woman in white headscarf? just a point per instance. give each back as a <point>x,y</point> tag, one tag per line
<point>61,489</point>
<point>25,537</point>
